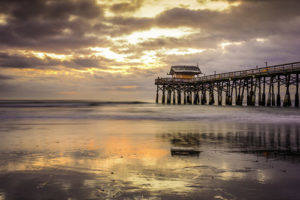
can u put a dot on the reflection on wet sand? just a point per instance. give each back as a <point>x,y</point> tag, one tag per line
<point>185,152</point>
<point>165,161</point>
<point>279,142</point>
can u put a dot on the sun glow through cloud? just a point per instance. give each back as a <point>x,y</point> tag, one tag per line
<point>3,19</point>
<point>107,53</point>
<point>225,44</point>
<point>260,39</point>
<point>44,55</point>
<point>138,37</point>
<point>152,8</point>
<point>183,51</point>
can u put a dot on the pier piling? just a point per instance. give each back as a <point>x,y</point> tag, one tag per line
<point>287,97</point>
<point>164,95</point>
<point>169,96</point>
<point>278,92</point>
<point>156,100</point>
<point>174,97</point>
<point>211,95</point>
<point>297,91</point>
<point>220,94</point>
<point>269,100</point>
<point>273,93</point>
<point>178,96</point>
<point>259,92</point>
<point>263,98</point>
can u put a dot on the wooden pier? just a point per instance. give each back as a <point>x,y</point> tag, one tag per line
<point>248,87</point>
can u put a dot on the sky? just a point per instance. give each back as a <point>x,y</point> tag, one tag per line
<point>113,50</point>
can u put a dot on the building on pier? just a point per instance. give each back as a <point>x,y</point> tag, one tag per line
<point>251,87</point>
<point>184,71</point>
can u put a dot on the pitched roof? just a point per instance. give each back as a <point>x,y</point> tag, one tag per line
<point>185,69</point>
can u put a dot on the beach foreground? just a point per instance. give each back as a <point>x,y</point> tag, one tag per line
<point>79,150</point>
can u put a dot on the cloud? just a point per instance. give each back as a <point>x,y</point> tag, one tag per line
<point>17,61</point>
<point>20,61</point>
<point>49,24</point>
<point>250,19</point>
<point>126,7</point>
<point>50,10</point>
<point>5,77</point>
<point>126,25</point>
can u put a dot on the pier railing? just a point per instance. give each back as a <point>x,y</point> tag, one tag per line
<point>256,72</point>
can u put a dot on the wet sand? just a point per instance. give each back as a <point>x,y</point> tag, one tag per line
<point>50,158</point>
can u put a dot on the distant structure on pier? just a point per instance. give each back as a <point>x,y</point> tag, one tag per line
<point>184,71</point>
<point>258,84</point>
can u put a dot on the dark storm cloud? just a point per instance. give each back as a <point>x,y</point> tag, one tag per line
<point>54,43</point>
<point>51,10</point>
<point>44,24</point>
<point>126,25</point>
<point>20,61</point>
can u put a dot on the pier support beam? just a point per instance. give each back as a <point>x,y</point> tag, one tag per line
<point>238,97</point>
<point>287,97</point>
<point>169,96</point>
<point>297,91</point>
<point>227,100</point>
<point>157,89</point>
<point>220,87</point>
<point>236,93</point>
<point>211,95</point>
<point>190,97</point>
<point>278,102</point>
<point>164,95</point>
<point>196,97</point>
<point>259,92</point>
<point>174,97</point>
<point>273,93</point>
<point>269,101</point>
<point>178,96</point>
<point>263,97</point>
<point>231,93</point>
<point>242,95</point>
<point>203,99</point>
<point>184,96</point>
<point>254,93</point>
<point>251,100</point>
<point>248,93</point>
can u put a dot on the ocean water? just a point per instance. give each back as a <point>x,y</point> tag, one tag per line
<point>136,150</point>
